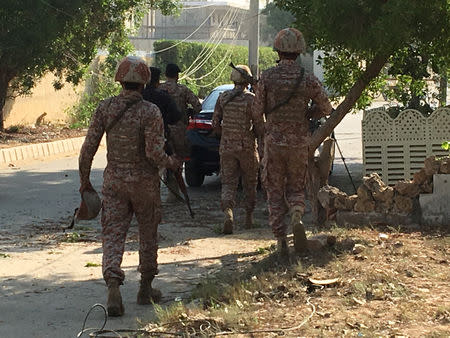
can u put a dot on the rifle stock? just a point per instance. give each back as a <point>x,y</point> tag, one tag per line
<point>248,78</point>
<point>182,185</point>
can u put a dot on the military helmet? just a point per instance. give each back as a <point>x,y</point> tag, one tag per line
<point>132,69</point>
<point>90,205</point>
<point>237,77</point>
<point>289,40</point>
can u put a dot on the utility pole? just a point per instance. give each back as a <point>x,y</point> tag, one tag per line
<point>253,37</point>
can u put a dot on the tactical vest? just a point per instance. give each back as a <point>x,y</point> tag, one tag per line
<point>125,144</point>
<point>295,109</point>
<point>235,119</point>
<point>176,92</point>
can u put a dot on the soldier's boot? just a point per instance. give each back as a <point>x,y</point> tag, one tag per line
<point>282,248</point>
<point>228,221</point>
<point>114,303</point>
<point>300,240</point>
<point>147,294</point>
<point>249,220</point>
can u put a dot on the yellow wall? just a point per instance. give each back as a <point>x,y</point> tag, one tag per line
<point>44,99</point>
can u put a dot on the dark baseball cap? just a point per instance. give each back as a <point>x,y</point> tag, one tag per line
<point>172,70</point>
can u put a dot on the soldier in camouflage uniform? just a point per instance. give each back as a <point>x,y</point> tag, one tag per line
<point>238,156</point>
<point>135,142</point>
<point>183,97</point>
<point>283,96</point>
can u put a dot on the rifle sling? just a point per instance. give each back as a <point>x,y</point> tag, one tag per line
<point>236,94</point>
<point>291,94</point>
<point>120,114</point>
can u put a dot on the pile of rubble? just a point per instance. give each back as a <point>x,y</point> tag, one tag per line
<point>375,196</point>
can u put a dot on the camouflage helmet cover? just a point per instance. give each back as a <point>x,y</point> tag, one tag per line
<point>90,205</point>
<point>289,40</point>
<point>237,77</point>
<point>132,69</point>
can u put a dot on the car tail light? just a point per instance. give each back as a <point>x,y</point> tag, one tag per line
<point>197,123</point>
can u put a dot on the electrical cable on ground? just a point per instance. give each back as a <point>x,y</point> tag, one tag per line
<point>281,330</point>
<point>204,330</point>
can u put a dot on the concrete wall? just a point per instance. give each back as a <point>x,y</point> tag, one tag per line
<point>44,99</point>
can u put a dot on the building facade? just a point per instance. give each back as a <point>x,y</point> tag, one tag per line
<point>204,21</point>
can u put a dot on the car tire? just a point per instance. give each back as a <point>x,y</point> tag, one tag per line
<point>194,177</point>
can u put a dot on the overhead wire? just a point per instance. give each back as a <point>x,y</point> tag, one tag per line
<point>57,9</point>
<point>227,54</point>
<point>191,71</point>
<point>211,40</point>
<point>187,38</point>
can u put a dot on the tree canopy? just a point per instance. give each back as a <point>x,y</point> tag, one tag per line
<point>275,20</point>
<point>361,37</point>
<point>37,36</point>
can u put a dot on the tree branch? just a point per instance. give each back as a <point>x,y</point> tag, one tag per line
<point>371,72</point>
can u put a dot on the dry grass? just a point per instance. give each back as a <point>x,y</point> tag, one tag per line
<point>397,286</point>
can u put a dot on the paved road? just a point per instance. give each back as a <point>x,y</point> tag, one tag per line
<point>40,191</point>
<point>45,287</point>
<point>348,136</point>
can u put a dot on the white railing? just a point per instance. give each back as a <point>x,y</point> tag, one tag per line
<point>396,148</point>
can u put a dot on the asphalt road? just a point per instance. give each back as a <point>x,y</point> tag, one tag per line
<point>40,191</point>
<point>45,288</point>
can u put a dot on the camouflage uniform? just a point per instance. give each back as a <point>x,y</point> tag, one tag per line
<point>238,155</point>
<point>286,136</point>
<point>131,182</point>
<point>178,140</point>
<point>182,96</point>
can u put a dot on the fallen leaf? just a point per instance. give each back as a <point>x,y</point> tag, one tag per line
<point>323,282</point>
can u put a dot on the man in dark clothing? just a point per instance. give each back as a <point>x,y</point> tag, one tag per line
<point>166,104</point>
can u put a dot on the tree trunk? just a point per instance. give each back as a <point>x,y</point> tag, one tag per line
<point>371,72</point>
<point>4,82</point>
<point>443,91</point>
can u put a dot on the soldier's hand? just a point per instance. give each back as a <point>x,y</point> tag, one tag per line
<point>175,162</point>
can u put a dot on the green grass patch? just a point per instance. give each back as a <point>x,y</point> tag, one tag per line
<point>92,265</point>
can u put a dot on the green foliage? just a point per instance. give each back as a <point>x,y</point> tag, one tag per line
<point>92,265</point>
<point>414,33</point>
<point>82,112</point>
<point>201,74</point>
<point>74,237</point>
<point>276,20</point>
<point>62,37</point>
<point>100,82</point>
<point>342,71</point>
<point>446,145</point>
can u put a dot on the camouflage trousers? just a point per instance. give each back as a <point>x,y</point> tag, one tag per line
<point>121,199</point>
<point>234,165</point>
<point>283,176</point>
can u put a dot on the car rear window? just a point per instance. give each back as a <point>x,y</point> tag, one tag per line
<point>210,102</point>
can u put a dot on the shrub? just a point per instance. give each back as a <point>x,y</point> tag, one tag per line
<point>205,65</point>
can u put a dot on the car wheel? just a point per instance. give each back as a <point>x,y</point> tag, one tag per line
<point>194,177</point>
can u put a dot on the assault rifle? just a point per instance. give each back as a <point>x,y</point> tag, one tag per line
<point>250,79</point>
<point>180,181</point>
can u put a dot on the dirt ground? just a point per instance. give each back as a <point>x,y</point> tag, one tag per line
<point>50,278</point>
<point>21,135</point>
<point>394,285</point>
<point>397,285</point>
